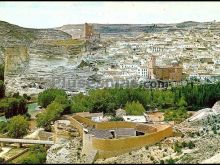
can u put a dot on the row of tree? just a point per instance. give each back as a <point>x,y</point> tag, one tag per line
<point>192,96</point>
<point>134,100</point>
<point>56,103</point>
<point>13,106</point>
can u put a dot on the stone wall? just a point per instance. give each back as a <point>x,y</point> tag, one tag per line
<point>113,147</point>
<point>173,73</point>
<point>16,64</point>
<point>16,59</point>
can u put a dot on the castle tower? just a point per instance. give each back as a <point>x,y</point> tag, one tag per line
<point>152,62</point>
<point>151,67</point>
<point>88,31</point>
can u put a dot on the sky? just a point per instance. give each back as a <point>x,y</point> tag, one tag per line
<point>54,14</point>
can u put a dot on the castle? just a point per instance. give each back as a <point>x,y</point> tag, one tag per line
<point>89,32</point>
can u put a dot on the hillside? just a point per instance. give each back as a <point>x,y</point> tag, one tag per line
<point>14,35</point>
<point>76,30</point>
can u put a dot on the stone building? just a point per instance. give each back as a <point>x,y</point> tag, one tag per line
<point>89,32</point>
<point>171,72</point>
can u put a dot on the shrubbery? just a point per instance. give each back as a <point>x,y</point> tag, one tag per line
<point>2,68</point>
<point>3,127</point>
<point>116,119</point>
<point>52,113</point>
<point>37,155</point>
<point>13,106</point>
<point>17,127</point>
<point>2,89</point>
<point>178,146</point>
<point>48,96</point>
<point>178,115</point>
<point>134,108</point>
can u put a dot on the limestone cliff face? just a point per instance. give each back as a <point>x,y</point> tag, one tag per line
<point>31,55</point>
<point>54,50</point>
<point>16,62</point>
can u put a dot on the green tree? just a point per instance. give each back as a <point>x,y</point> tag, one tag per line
<point>3,127</point>
<point>37,155</point>
<point>48,96</point>
<point>52,113</point>
<point>182,102</point>
<point>17,126</point>
<point>2,68</point>
<point>65,102</point>
<point>2,89</point>
<point>13,106</point>
<point>134,108</point>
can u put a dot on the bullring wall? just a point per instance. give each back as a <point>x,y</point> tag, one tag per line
<point>112,147</point>
<point>115,124</point>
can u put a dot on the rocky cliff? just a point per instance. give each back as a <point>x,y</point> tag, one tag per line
<point>32,53</point>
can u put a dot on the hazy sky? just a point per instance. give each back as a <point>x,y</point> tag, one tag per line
<point>54,14</point>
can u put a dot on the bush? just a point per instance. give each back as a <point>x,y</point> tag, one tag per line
<point>134,108</point>
<point>65,102</point>
<point>161,161</point>
<point>13,106</point>
<point>170,161</point>
<point>17,127</point>
<point>27,116</point>
<point>52,113</point>
<point>37,155</point>
<point>26,97</point>
<point>116,119</point>
<point>175,114</point>
<point>3,127</point>
<point>151,158</point>
<point>2,68</point>
<point>177,147</point>
<point>2,89</point>
<point>191,145</point>
<point>48,96</point>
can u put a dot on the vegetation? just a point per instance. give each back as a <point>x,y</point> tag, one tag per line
<point>170,161</point>
<point>134,108</point>
<point>37,155</point>
<point>2,68</point>
<point>2,160</point>
<point>17,127</point>
<point>178,146</point>
<point>177,115</point>
<point>2,89</point>
<point>3,127</point>
<point>13,106</point>
<point>67,42</point>
<point>189,97</point>
<point>48,96</point>
<point>52,113</point>
<point>27,97</point>
<point>116,119</point>
<point>56,103</point>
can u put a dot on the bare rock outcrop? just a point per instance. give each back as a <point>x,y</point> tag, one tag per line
<point>65,152</point>
<point>204,113</point>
